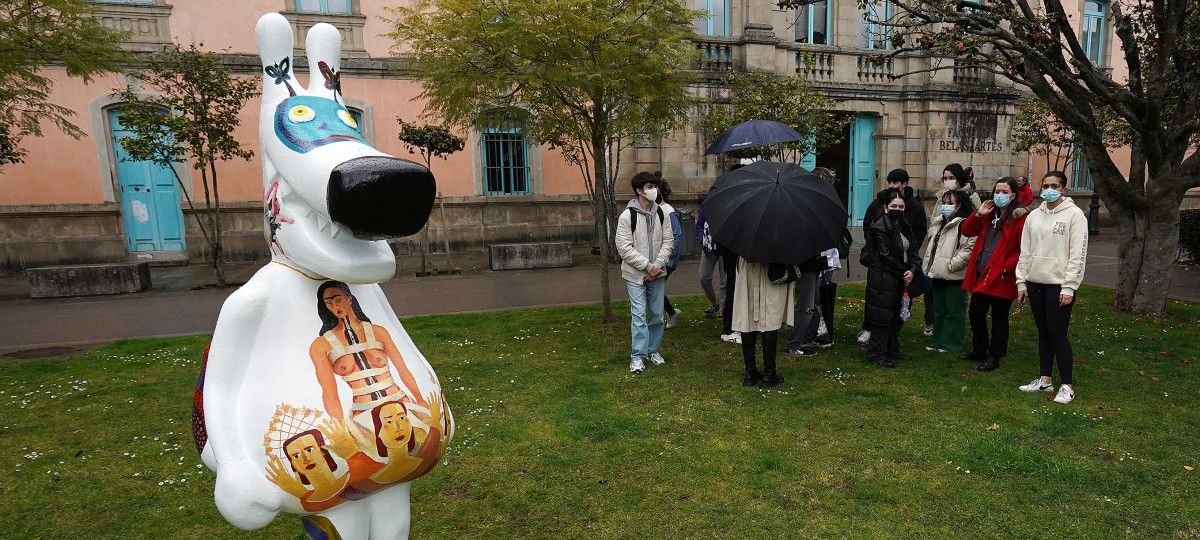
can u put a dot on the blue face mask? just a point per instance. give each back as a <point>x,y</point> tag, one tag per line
<point>1001,199</point>
<point>1051,194</point>
<point>947,210</point>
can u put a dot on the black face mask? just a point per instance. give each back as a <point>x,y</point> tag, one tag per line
<point>895,214</point>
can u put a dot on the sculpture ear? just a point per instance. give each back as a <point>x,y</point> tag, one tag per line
<point>324,48</point>
<point>275,39</point>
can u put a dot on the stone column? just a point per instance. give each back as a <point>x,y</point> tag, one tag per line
<point>758,35</point>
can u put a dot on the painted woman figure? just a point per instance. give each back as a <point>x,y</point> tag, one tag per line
<point>397,442</point>
<point>317,482</point>
<point>350,347</point>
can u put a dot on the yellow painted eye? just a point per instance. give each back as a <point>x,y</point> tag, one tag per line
<point>347,118</point>
<point>301,113</point>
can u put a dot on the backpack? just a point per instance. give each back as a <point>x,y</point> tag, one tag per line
<point>843,245</point>
<point>633,220</point>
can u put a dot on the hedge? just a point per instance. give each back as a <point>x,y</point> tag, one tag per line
<point>1189,233</point>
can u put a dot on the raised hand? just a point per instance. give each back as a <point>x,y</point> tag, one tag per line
<point>986,208</point>
<point>279,475</point>
<point>340,440</point>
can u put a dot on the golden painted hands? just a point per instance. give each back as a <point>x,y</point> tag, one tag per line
<point>278,474</point>
<point>340,440</point>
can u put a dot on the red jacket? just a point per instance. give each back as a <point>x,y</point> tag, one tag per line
<point>999,277</point>
<point>1025,196</point>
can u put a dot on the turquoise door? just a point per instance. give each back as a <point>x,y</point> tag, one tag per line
<point>809,159</point>
<point>862,167</point>
<point>149,198</point>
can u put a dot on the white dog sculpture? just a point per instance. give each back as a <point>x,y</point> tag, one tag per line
<point>313,399</point>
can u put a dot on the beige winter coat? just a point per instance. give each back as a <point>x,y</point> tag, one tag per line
<point>634,247</point>
<point>937,199</point>
<point>1054,247</point>
<point>949,257</point>
<point>758,304</point>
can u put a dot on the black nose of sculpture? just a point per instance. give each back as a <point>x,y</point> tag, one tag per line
<point>380,197</point>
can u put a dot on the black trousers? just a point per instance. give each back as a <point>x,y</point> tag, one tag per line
<point>730,263</point>
<point>770,342</point>
<point>1052,322</point>
<point>981,304</point>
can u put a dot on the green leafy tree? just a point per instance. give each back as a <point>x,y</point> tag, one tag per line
<point>587,76</point>
<point>191,116</point>
<point>33,35</point>
<point>789,100</point>
<point>429,141</point>
<point>1038,46</point>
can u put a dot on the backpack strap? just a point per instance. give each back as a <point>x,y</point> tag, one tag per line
<point>633,221</point>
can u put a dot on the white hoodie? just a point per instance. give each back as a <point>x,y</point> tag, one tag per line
<point>1054,247</point>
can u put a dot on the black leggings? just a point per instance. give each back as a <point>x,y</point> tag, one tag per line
<point>997,347</point>
<point>1052,321</point>
<point>667,307</point>
<point>770,341</point>
<point>730,262</point>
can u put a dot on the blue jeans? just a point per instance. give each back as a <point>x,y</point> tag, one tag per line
<point>646,316</point>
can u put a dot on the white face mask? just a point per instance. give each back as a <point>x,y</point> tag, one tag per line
<point>651,194</point>
<point>950,184</point>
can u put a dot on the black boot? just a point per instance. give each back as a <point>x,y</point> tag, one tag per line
<point>752,377</point>
<point>884,362</point>
<point>972,356</point>
<point>770,379</point>
<point>988,364</point>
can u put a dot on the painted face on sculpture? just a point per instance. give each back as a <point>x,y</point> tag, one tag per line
<point>305,456</point>
<point>337,302</point>
<point>395,429</point>
<point>303,123</point>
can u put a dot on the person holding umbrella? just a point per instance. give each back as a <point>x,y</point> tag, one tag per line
<point>760,307</point>
<point>891,260</point>
<point>756,212</point>
<point>644,244</point>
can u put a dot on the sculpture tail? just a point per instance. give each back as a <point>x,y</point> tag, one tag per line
<point>320,528</point>
<point>199,433</point>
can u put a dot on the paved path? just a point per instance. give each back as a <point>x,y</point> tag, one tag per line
<point>175,307</point>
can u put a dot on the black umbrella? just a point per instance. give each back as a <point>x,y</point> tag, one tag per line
<point>753,133</point>
<point>774,213</point>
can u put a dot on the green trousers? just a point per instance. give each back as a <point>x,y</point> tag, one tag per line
<point>949,315</point>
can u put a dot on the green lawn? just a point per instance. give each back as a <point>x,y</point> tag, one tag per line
<point>557,440</point>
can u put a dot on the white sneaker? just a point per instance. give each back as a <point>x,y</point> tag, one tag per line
<point>1065,394</point>
<point>657,359</point>
<point>732,337</point>
<point>672,320</point>
<point>928,330</point>
<point>1037,385</point>
<point>636,365</point>
<point>864,337</point>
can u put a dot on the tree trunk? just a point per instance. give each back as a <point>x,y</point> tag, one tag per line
<point>600,215</point>
<point>218,247</point>
<point>1148,249</point>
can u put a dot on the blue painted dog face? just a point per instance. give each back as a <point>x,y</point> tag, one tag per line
<point>306,122</point>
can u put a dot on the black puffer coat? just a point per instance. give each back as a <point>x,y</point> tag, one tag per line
<point>884,256</point>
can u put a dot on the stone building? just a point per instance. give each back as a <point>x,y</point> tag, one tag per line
<point>79,201</point>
